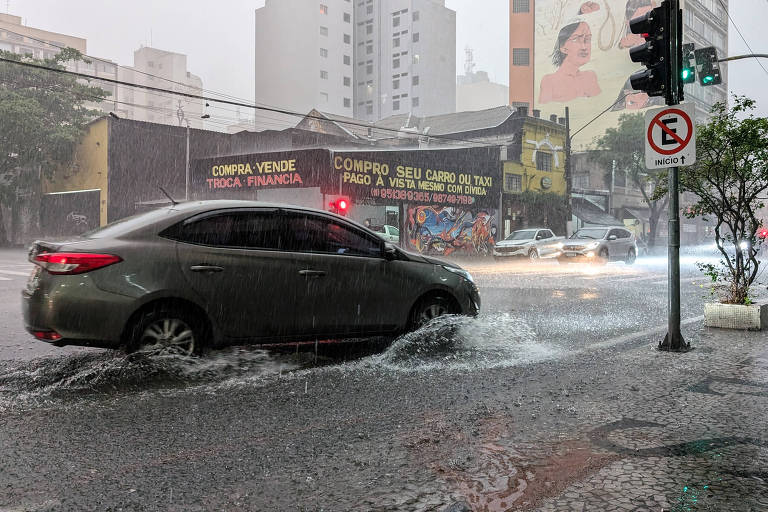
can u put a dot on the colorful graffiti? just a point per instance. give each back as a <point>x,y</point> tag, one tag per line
<point>442,231</point>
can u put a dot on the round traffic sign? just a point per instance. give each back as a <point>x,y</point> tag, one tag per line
<point>682,142</point>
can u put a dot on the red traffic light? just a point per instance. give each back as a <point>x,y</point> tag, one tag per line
<point>340,206</point>
<point>763,233</point>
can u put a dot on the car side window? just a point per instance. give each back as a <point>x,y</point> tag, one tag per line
<point>547,234</point>
<point>614,232</point>
<point>394,231</point>
<point>247,230</point>
<point>307,233</point>
<point>624,234</point>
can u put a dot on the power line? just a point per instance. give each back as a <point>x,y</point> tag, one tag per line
<point>601,113</point>
<point>241,104</point>
<point>740,34</point>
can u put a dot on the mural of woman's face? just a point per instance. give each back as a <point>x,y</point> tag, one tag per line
<point>578,47</point>
<point>636,100</point>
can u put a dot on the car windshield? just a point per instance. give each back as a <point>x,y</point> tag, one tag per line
<point>593,233</point>
<point>526,234</point>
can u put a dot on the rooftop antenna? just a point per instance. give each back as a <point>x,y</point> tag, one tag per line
<point>469,63</point>
<point>173,201</point>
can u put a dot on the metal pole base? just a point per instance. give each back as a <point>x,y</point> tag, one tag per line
<point>674,343</point>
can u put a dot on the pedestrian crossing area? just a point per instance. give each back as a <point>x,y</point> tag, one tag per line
<point>10,271</point>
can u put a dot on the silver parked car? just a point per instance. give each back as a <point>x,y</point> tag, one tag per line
<point>388,233</point>
<point>600,245</point>
<point>529,243</point>
<point>212,273</point>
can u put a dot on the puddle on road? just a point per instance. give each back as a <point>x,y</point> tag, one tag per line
<point>445,344</point>
<point>462,343</point>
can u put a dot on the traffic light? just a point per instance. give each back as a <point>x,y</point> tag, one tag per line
<point>688,64</point>
<point>709,67</point>
<point>340,206</point>
<point>655,27</point>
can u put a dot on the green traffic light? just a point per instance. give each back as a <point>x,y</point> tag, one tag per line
<point>686,74</point>
<point>707,79</point>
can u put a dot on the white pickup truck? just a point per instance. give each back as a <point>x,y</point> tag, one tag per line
<point>531,243</point>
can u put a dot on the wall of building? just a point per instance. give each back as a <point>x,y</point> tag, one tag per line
<point>480,96</point>
<point>89,169</point>
<point>539,137</point>
<point>521,37</point>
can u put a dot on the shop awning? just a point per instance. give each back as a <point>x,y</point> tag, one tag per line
<point>590,214</point>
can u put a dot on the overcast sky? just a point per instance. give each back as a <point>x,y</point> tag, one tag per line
<point>218,36</point>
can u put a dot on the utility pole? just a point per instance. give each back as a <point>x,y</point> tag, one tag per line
<point>568,176</point>
<point>674,341</point>
<point>182,117</point>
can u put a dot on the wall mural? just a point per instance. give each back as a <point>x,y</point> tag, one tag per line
<point>439,230</point>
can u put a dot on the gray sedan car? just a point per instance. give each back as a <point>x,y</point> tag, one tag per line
<point>211,273</point>
<point>600,245</point>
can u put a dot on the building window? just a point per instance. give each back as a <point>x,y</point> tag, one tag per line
<point>415,15</point>
<point>347,102</point>
<point>396,42</point>
<point>513,182</point>
<point>369,28</point>
<point>324,97</point>
<point>521,6</point>
<point>347,39</point>
<point>347,60</point>
<point>369,109</point>
<point>396,104</point>
<point>323,52</point>
<point>347,82</point>
<point>347,18</point>
<point>369,49</point>
<point>415,102</point>
<point>543,161</point>
<point>369,69</point>
<point>415,37</point>
<point>415,80</point>
<point>581,181</point>
<point>324,75</point>
<point>396,62</point>
<point>323,9</point>
<point>150,64</point>
<point>396,21</point>
<point>416,58</point>
<point>396,83</point>
<point>521,56</point>
<point>323,31</point>
<point>369,9</point>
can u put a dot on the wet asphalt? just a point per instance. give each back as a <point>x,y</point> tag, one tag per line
<point>373,425</point>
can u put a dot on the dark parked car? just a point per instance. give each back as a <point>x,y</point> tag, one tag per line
<point>212,273</point>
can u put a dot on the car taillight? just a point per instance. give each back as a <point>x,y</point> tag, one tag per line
<point>67,263</point>
<point>47,335</point>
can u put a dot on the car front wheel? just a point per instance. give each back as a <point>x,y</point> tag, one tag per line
<point>533,255</point>
<point>430,308</point>
<point>631,257</point>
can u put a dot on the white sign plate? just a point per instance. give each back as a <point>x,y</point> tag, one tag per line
<point>670,137</point>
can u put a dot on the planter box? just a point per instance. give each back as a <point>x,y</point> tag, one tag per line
<point>734,316</point>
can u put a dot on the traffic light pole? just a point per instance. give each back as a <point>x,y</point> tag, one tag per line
<point>673,341</point>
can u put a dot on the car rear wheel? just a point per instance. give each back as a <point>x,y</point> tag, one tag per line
<point>167,331</point>
<point>631,257</point>
<point>533,255</point>
<point>430,308</point>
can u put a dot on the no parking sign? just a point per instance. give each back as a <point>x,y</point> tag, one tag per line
<point>670,137</point>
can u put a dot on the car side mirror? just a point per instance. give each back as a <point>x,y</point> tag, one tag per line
<point>612,237</point>
<point>539,237</point>
<point>390,253</point>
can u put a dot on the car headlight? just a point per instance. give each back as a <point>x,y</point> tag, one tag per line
<point>593,245</point>
<point>460,271</point>
<point>559,245</point>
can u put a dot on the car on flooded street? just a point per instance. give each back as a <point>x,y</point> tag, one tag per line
<point>600,245</point>
<point>529,243</point>
<point>206,274</point>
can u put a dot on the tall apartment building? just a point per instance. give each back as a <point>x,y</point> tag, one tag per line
<point>165,70</point>
<point>355,58</point>
<point>405,58</point>
<point>304,59</point>
<point>533,54</point>
<point>43,44</point>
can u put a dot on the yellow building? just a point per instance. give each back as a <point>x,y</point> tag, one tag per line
<point>536,166</point>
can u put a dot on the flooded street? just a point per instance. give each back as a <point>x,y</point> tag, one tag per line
<point>535,401</point>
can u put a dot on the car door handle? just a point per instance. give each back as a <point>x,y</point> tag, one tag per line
<point>312,273</point>
<point>206,268</point>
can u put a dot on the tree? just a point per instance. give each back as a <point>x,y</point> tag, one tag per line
<point>544,209</point>
<point>44,114</point>
<point>730,179</point>
<point>625,145</point>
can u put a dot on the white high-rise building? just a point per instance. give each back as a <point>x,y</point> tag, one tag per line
<point>366,59</point>
<point>405,58</point>
<point>164,70</point>
<point>304,52</point>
